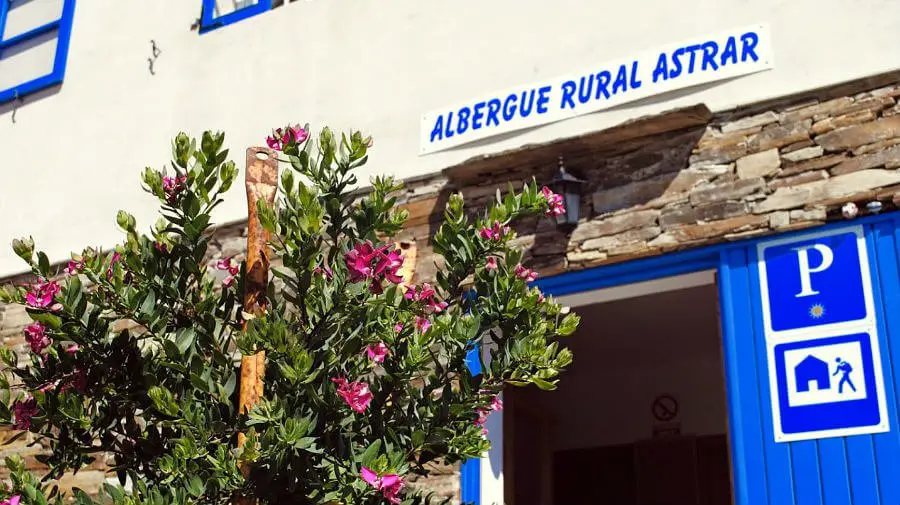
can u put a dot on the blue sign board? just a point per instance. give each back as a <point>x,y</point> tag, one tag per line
<point>815,281</point>
<point>825,385</point>
<point>824,363</point>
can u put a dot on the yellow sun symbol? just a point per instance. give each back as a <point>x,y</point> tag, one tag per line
<point>817,311</point>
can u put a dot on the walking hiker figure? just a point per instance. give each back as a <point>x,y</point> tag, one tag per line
<point>844,369</point>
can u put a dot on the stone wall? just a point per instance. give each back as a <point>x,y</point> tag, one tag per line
<point>733,176</point>
<point>675,181</point>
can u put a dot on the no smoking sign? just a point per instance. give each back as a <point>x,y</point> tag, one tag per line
<point>664,408</point>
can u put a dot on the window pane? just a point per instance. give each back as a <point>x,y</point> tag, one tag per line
<point>25,15</point>
<point>28,60</point>
<point>224,7</point>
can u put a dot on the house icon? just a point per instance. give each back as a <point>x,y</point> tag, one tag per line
<point>812,369</point>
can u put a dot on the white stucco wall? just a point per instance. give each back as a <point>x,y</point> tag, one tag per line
<point>73,155</point>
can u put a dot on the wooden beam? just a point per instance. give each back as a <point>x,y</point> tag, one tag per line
<point>261,183</point>
<point>408,270</point>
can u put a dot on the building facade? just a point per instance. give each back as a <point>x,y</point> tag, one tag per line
<point>718,153</point>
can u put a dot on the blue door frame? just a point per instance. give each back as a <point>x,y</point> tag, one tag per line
<point>858,470</point>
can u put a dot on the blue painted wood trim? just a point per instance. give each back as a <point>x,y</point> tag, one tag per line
<point>4,8</point>
<point>30,34</point>
<point>470,471</point>
<point>209,23</point>
<point>60,60</point>
<point>669,264</point>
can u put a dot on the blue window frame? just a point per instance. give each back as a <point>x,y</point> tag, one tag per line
<point>219,13</point>
<point>34,45</point>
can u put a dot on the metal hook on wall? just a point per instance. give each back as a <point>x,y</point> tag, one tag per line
<point>18,101</point>
<point>155,51</point>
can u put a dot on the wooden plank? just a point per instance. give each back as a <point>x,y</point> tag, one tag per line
<point>261,183</point>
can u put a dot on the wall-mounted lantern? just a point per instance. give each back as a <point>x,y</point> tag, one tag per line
<point>569,186</point>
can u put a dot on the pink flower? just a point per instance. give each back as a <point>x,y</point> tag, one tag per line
<point>282,137</point>
<point>36,338</point>
<point>173,186</point>
<point>228,264</point>
<point>24,411</point>
<point>491,263</point>
<point>398,327</point>
<point>231,266</point>
<point>422,323</point>
<point>426,294</point>
<point>12,500</point>
<point>72,349</point>
<point>541,297</point>
<point>365,262</point>
<point>495,232</point>
<point>42,293</point>
<point>359,261</point>
<point>388,264</point>
<point>73,267</point>
<point>370,477</point>
<point>482,414</point>
<point>113,260</point>
<point>324,270</point>
<point>554,201</point>
<point>298,134</point>
<point>378,352</point>
<point>355,394</point>
<point>417,294</point>
<point>482,420</point>
<point>389,484</point>
<point>375,287</point>
<point>525,274</point>
<point>162,248</point>
<point>436,306</point>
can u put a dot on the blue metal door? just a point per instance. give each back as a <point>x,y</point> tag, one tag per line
<point>858,469</point>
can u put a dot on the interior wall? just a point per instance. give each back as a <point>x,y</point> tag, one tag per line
<point>627,352</point>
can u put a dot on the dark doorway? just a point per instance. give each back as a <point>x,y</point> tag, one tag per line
<point>599,439</point>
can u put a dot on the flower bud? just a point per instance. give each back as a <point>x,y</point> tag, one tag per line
<point>24,248</point>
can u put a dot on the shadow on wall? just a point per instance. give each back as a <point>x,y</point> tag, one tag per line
<point>11,110</point>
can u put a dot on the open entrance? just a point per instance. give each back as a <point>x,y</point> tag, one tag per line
<point>640,418</point>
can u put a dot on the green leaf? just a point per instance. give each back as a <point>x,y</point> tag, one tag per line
<point>46,318</point>
<point>184,339</point>
<point>196,487</point>
<point>43,264</point>
<point>370,453</point>
<point>546,386</point>
<point>149,304</point>
<point>568,325</point>
<point>230,384</point>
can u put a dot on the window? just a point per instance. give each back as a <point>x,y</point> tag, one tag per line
<point>34,43</point>
<point>219,13</point>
